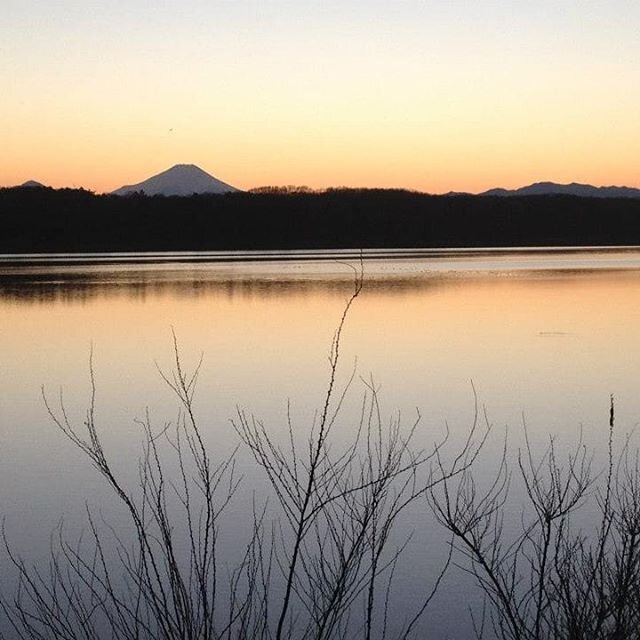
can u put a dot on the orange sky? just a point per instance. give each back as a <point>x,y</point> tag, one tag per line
<point>431,96</point>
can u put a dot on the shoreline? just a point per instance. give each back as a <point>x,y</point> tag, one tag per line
<point>301,255</point>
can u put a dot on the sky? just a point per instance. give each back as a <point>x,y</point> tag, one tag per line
<point>432,95</point>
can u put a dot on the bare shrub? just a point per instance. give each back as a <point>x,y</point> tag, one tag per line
<point>320,565</point>
<point>552,579</point>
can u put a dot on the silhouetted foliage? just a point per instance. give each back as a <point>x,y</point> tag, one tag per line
<point>321,565</point>
<point>290,188</point>
<point>553,576</point>
<point>67,220</point>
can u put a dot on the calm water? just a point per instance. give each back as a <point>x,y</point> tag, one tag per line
<point>544,336</point>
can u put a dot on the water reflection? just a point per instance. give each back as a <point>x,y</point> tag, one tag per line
<point>548,336</point>
<point>62,283</point>
<point>71,288</point>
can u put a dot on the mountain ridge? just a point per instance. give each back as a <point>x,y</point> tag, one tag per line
<point>571,189</point>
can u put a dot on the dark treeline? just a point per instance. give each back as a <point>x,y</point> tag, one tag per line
<point>69,220</point>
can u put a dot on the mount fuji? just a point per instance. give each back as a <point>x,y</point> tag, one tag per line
<point>179,180</point>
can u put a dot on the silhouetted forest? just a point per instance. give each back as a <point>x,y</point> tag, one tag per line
<point>34,220</point>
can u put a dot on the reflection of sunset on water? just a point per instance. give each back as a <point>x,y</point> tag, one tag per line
<point>520,334</point>
<point>547,344</point>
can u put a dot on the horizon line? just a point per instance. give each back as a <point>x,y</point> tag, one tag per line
<point>305,188</point>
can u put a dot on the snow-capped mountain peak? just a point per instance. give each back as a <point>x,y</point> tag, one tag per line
<point>179,180</point>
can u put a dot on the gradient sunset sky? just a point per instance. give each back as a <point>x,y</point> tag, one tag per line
<point>433,95</point>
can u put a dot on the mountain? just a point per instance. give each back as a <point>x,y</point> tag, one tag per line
<point>32,183</point>
<point>573,189</point>
<point>454,194</point>
<point>179,180</point>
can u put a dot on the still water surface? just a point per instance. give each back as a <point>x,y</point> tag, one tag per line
<point>543,336</point>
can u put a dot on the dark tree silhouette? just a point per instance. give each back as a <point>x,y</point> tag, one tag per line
<point>47,220</point>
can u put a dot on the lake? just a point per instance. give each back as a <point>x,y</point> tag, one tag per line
<point>543,336</point>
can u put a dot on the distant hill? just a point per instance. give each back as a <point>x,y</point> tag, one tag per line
<point>179,180</point>
<point>573,189</point>
<point>32,183</point>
